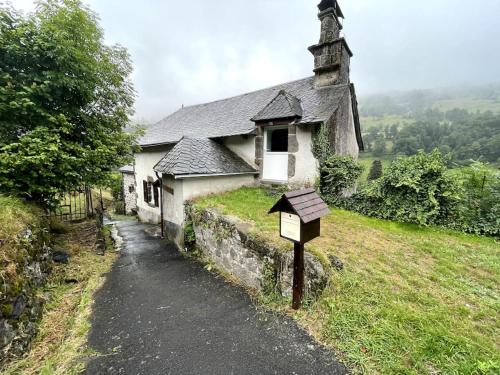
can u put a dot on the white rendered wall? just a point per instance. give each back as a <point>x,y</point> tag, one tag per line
<point>144,163</point>
<point>190,188</point>
<point>306,165</point>
<point>173,204</point>
<point>198,187</point>
<point>242,146</point>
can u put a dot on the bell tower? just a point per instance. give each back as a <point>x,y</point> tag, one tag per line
<point>332,54</point>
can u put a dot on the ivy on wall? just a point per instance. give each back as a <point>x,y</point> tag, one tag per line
<point>321,143</point>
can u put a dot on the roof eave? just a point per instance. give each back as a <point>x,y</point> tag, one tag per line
<point>187,176</point>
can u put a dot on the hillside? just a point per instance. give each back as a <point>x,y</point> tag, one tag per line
<point>409,300</point>
<point>462,122</point>
<point>410,104</point>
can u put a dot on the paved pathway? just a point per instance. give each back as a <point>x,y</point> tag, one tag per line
<point>159,313</point>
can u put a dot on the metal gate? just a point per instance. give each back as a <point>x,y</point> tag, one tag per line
<point>75,205</point>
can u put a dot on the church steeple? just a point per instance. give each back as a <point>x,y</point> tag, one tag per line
<point>332,54</point>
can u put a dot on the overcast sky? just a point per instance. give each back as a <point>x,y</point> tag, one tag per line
<point>187,52</point>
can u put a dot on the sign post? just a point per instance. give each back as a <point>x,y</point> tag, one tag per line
<point>300,214</point>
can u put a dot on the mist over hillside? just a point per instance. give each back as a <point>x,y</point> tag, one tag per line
<point>413,103</point>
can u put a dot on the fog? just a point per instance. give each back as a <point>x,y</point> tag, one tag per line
<point>190,52</point>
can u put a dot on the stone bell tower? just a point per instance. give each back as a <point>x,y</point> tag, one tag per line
<point>332,54</point>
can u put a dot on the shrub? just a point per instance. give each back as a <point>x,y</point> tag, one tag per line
<point>338,174</point>
<point>376,170</point>
<point>413,189</point>
<point>479,207</point>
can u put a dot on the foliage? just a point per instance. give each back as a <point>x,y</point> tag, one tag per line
<point>421,189</point>
<point>462,134</point>
<point>65,98</point>
<point>337,174</point>
<point>116,185</point>
<point>413,189</point>
<point>479,208</point>
<point>321,144</point>
<point>376,170</point>
<point>380,146</point>
<point>410,300</point>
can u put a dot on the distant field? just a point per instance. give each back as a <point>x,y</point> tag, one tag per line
<point>369,122</point>
<point>471,105</point>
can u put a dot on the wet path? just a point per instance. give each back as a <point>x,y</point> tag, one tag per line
<point>159,313</point>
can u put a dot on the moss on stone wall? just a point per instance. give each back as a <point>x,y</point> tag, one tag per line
<point>24,266</point>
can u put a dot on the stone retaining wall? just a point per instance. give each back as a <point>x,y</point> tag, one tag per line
<point>229,243</point>
<point>20,299</point>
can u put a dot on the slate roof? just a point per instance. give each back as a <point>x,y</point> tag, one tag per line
<point>127,169</point>
<point>307,204</point>
<point>233,116</point>
<point>192,156</point>
<point>283,106</point>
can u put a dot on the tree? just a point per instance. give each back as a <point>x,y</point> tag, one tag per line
<point>376,170</point>
<point>380,146</point>
<point>65,98</point>
<point>393,131</point>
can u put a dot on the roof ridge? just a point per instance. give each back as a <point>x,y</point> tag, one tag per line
<point>244,94</point>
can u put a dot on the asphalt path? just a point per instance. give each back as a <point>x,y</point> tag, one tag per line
<point>160,313</point>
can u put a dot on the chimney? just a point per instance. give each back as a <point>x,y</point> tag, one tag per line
<point>332,54</point>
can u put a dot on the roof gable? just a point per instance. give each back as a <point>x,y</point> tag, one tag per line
<point>283,106</point>
<point>201,157</point>
<point>233,116</point>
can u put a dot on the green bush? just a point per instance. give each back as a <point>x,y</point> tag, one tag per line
<point>479,206</point>
<point>338,174</point>
<point>421,189</point>
<point>413,189</point>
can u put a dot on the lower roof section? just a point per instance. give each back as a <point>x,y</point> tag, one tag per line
<point>202,157</point>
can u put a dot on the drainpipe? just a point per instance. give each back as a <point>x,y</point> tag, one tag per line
<point>161,205</point>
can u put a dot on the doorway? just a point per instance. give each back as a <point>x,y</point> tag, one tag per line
<point>275,154</point>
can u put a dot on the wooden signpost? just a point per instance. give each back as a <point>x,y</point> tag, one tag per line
<point>300,215</point>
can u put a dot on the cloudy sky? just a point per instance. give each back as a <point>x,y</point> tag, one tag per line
<point>187,52</point>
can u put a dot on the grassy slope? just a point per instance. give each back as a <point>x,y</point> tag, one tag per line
<point>410,300</point>
<point>15,216</point>
<point>60,345</point>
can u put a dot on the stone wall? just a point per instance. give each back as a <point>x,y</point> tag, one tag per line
<point>20,300</point>
<point>129,193</point>
<point>230,245</point>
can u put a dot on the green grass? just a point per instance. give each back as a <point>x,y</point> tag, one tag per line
<point>410,300</point>
<point>14,216</point>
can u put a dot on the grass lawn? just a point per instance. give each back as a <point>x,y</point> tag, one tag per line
<point>410,300</point>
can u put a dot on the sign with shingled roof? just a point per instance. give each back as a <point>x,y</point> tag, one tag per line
<point>308,207</point>
<point>300,221</point>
